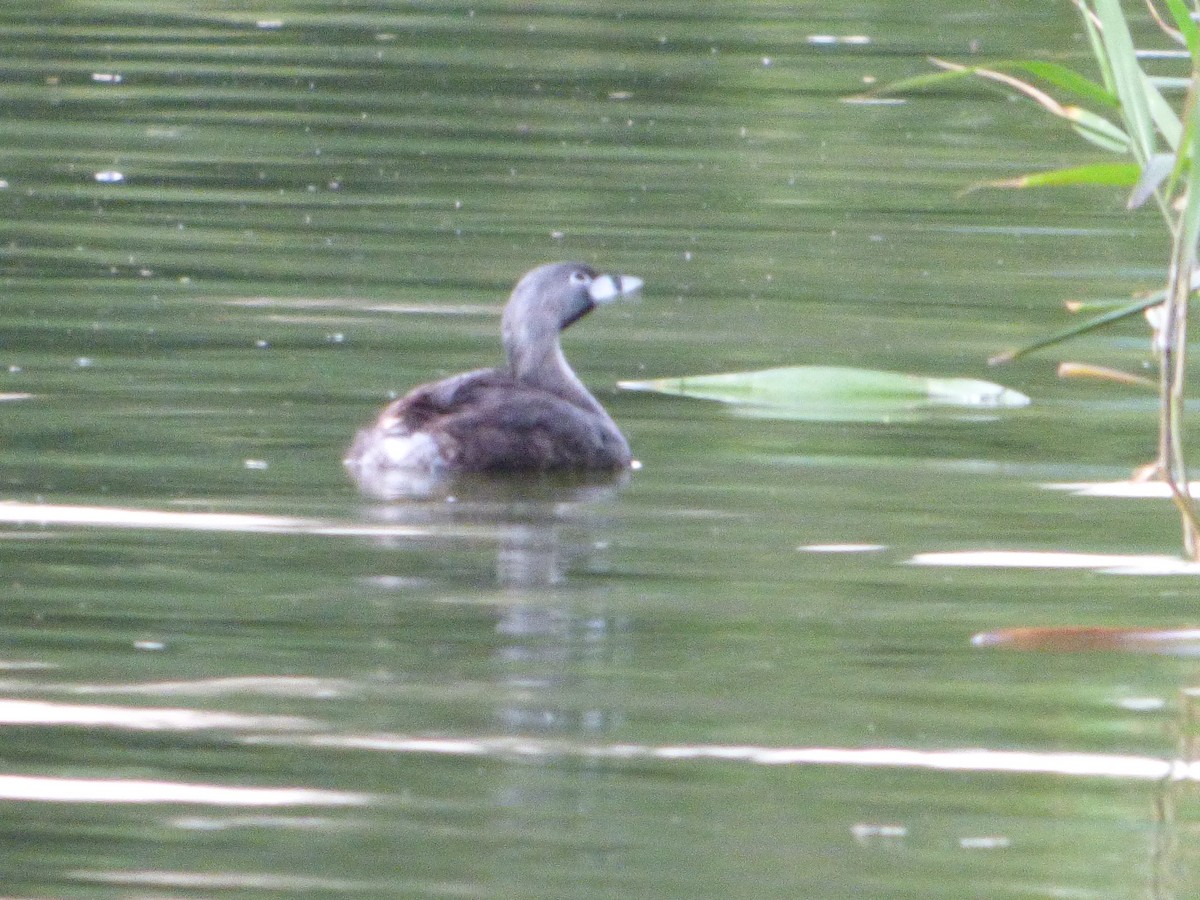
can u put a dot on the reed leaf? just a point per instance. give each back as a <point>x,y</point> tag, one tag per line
<point>1096,129</point>
<point>1186,25</point>
<point>1156,171</point>
<point>1116,315</point>
<point>1091,27</point>
<point>1129,80</point>
<point>1165,118</point>
<point>1029,90</point>
<point>1062,77</point>
<point>1113,174</point>
<point>1054,74</point>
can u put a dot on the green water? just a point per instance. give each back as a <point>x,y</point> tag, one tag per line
<point>618,695</point>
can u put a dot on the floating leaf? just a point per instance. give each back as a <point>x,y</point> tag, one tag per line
<point>1104,373</point>
<point>833,393</point>
<point>1083,639</point>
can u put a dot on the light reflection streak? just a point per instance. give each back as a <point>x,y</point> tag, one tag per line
<point>260,685</point>
<point>342,304</point>
<point>1134,490</point>
<point>223,881</point>
<point>47,514</point>
<point>38,712</point>
<point>979,760</point>
<point>1109,563</point>
<point>46,789</point>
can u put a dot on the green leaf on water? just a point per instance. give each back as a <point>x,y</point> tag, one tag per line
<point>833,393</point>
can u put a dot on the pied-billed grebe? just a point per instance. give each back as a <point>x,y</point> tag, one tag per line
<point>533,415</point>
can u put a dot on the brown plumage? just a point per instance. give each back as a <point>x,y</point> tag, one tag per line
<point>532,415</point>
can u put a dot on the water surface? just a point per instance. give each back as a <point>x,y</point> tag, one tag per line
<point>230,235</point>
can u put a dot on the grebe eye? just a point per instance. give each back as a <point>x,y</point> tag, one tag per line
<point>578,277</point>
